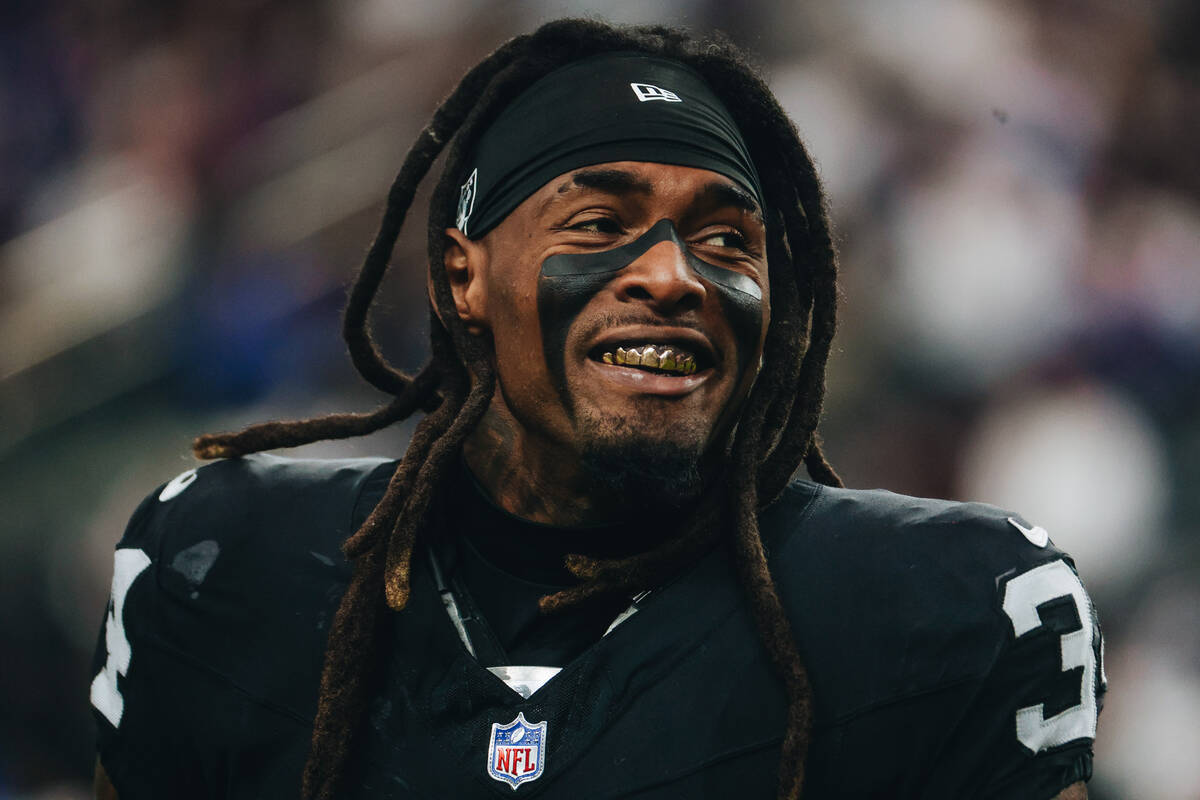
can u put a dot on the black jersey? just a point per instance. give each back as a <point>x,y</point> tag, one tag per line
<point>951,648</point>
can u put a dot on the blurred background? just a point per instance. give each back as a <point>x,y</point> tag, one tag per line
<point>186,186</point>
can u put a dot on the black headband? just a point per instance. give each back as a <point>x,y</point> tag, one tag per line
<point>612,107</point>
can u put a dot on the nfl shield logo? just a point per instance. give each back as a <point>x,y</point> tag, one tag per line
<point>517,751</point>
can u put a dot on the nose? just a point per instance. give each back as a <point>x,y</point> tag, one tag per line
<point>662,278</point>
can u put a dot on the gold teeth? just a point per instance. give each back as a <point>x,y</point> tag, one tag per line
<point>661,358</point>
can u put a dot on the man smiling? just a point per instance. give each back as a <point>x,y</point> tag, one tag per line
<point>591,575</point>
<point>649,328</point>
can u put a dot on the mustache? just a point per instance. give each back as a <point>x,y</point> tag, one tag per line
<point>603,323</point>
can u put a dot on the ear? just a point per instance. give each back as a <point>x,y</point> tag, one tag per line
<point>466,265</point>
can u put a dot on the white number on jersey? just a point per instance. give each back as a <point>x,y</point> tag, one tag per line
<point>1022,596</point>
<point>128,563</point>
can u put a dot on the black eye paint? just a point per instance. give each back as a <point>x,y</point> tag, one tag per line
<point>569,280</point>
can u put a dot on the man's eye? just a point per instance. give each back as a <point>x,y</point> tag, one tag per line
<point>597,225</point>
<point>726,239</point>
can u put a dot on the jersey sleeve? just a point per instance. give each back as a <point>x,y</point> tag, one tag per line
<point>210,653</point>
<point>141,742</point>
<point>1029,730</point>
<point>952,650</point>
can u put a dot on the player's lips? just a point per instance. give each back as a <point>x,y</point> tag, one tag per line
<point>669,361</point>
<point>649,346</point>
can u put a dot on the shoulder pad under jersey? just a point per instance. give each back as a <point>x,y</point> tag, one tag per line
<point>240,568</point>
<point>907,595</point>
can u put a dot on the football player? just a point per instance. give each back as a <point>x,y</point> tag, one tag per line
<point>591,574</point>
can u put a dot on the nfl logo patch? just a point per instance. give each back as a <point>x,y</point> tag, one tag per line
<point>517,751</point>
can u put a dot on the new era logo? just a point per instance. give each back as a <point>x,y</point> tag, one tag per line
<point>646,92</point>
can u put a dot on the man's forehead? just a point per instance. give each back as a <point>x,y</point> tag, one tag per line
<point>648,179</point>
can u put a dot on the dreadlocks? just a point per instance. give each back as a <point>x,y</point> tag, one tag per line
<point>775,434</point>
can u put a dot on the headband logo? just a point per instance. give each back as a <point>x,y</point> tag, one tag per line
<point>646,92</point>
<point>466,201</point>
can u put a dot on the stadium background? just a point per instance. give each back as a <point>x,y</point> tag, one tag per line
<point>187,185</point>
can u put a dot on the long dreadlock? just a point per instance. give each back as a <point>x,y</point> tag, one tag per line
<point>775,433</point>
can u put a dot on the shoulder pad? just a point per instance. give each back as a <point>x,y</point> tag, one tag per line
<point>912,586</point>
<point>255,503</point>
<point>246,566</point>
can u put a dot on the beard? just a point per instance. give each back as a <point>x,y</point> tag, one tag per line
<point>640,470</point>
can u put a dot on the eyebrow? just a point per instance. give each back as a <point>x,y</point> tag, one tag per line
<point>620,181</point>
<point>719,193</point>
<point>612,181</point>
